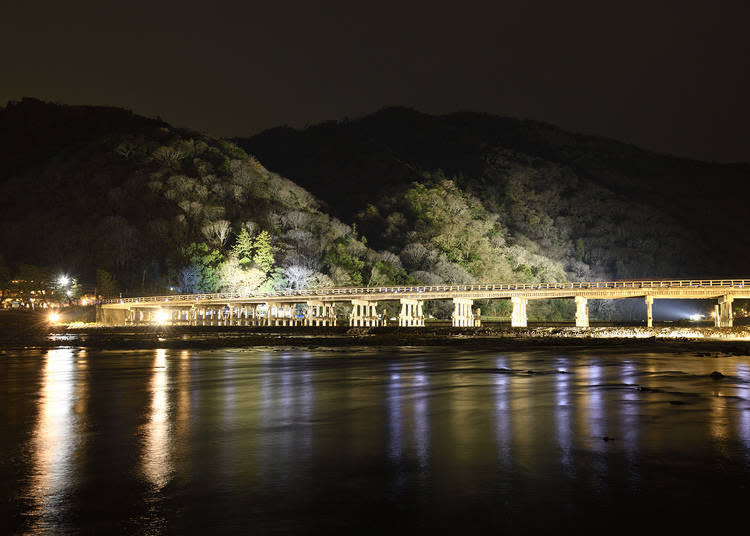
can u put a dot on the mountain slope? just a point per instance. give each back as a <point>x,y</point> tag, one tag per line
<point>90,189</point>
<point>602,208</point>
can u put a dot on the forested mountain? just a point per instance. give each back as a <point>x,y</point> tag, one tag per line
<point>141,206</point>
<point>136,205</point>
<point>599,208</point>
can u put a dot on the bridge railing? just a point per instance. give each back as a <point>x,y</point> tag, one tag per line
<point>427,289</point>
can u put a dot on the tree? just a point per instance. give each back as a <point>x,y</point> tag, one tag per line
<point>263,257</point>
<point>217,232</point>
<point>234,278</point>
<point>106,284</point>
<point>299,277</point>
<point>202,272</point>
<point>191,276</point>
<point>243,248</point>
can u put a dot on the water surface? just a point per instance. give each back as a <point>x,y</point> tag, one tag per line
<point>398,440</point>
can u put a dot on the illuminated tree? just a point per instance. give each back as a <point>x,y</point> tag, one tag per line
<point>217,232</point>
<point>263,257</point>
<point>234,278</point>
<point>298,277</point>
<point>243,248</point>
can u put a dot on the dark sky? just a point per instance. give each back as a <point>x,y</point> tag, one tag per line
<point>669,76</point>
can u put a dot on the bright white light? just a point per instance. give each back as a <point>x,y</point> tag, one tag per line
<point>63,280</point>
<point>162,316</point>
<point>54,318</point>
<point>696,317</point>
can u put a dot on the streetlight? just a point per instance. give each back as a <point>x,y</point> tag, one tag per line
<point>63,280</point>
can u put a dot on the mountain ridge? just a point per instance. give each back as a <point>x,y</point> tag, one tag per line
<point>397,197</point>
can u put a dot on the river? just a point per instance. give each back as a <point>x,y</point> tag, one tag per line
<point>292,440</point>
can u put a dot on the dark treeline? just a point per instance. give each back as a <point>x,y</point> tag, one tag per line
<point>395,198</point>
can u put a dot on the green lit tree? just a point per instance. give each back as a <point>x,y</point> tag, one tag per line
<point>243,248</point>
<point>263,257</point>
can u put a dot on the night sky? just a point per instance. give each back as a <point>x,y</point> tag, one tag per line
<point>668,76</point>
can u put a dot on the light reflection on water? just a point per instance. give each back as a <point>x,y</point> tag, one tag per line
<point>289,428</point>
<point>742,370</point>
<point>53,441</point>
<point>503,424</point>
<point>563,409</point>
<point>156,457</point>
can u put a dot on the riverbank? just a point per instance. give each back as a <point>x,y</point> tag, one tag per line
<point>702,340</point>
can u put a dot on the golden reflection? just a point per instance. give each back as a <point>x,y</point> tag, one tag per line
<point>53,441</point>
<point>719,419</point>
<point>182,410</point>
<point>156,460</point>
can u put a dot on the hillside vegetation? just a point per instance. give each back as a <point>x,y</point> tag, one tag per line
<point>144,206</point>
<point>134,205</point>
<point>507,199</point>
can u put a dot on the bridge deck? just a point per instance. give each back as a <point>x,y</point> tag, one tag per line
<point>658,289</point>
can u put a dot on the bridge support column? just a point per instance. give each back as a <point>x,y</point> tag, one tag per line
<point>462,316</point>
<point>582,312</point>
<point>291,313</point>
<point>364,313</point>
<point>725,318</point>
<point>318,313</point>
<point>411,313</point>
<point>518,317</point>
<point>649,311</point>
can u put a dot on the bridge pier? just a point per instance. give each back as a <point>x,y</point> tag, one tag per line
<point>251,314</point>
<point>649,311</point>
<point>319,314</point>
<point>280,314</point>
<point>411,313</point>
<point>364,313</point>
<point>724,317</point>
<point>462,316</point>
<point>582,312</point>
<point>518,318</point>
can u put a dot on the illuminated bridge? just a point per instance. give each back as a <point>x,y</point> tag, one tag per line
<point>279,308</point>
